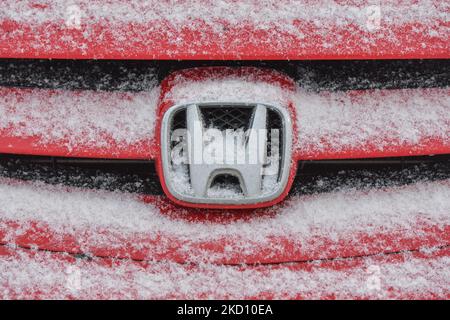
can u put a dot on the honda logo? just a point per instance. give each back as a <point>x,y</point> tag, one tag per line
<point>226,153</point>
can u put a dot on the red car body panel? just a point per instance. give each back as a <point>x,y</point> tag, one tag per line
<point>167,247</point>
<point>38,144</point>
<point>201,39</point>
<point>34,146</point>
<point>13,140</point>
<point>43,248</point>
<point>179,281</point>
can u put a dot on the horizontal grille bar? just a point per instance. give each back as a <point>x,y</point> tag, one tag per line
<point>133,75</point>
<point>139,176</point>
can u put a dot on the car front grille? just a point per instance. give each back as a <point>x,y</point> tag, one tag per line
<point>141,177</point>
<point>224,117</point>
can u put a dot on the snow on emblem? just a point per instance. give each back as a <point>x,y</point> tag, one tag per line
<point>226,153</point>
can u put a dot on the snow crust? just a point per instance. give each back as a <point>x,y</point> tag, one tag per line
<point>109,217</point>
<point>79,118</point>
<point>336,215</point>
<point>336,120</point>
<point>326,120</point>
<point>331,27</point>
<point>265,14</point>
<point>47,276</point>
<point>228,89</point>
<point>379,118</point>
<point>342,119</point>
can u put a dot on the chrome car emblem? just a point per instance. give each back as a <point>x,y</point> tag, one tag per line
<point>226,153</point>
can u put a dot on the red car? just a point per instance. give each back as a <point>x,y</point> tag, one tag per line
<point>224,150</point>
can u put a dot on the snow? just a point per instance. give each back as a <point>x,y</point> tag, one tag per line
<point>380,118</point>
<point>338,120</point>
<point>135,28</point>
<point>104,219</point>
<point>107,219</point>
<point>79,118</point>
<point>315,223</point>
<point>227,89</point>
<point>52,276</point>
<point>351,210</point>
<point>327,120</point>
<point>265,14</point>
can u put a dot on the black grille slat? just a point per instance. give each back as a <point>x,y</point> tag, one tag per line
<point>137,75</point>
<point>274,121</point>
<point>322,176</point>
<point>140,176</point>
<point>135,176</point>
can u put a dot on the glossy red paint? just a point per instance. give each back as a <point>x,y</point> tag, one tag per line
<point>159,246</point>
<point>34,146</point>
<point>127,283</point>
<point>197,40</point>
<point>143,251</point>
<point>37,241</point>
<point>147,147</point>
<point>392,146</point>
<point>423,147</point>
<point>13,143</point>
<point>247,74</point>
